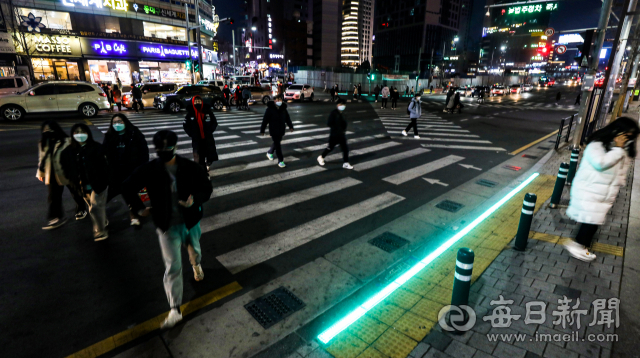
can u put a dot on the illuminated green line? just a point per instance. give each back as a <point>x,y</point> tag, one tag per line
<point>345,322</point>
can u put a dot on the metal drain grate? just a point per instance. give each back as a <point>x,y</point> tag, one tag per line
<point>388,242</point>
<point>544,148</point>
<point>512,167</point>
<point>487,183</point>
<point>450,206</point>
<point>529,156</point>
<point>274,307</point>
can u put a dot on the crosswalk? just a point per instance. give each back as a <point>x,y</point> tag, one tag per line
<point>505,103</point>
<point>251,190</point>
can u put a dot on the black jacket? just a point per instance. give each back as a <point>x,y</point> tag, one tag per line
<point>395,94</point>
<point>89,162</point>
<point>136,152</point>
<point>337,124</point>
<point>276,118</point>
<point>191,179</point>
<point>191,126</point>
<point>226,93</point>
<point>135,91</point>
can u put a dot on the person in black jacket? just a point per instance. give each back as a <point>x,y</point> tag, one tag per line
<point>337,135</point>
<point>276,116</point>
<point>395,95</point>
<point>137,98</point>
<point>85,164</point>
<point>200,129</point>
<point>226,92</point>
<point>177,188</point>
<point>126,149</point>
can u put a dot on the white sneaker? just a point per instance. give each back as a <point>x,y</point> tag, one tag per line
<point>174,317</point>
<point>347,166</point>
<point>404,133</point>
<point>282,165</point>
<point>320,160</point>
<point>270,156</point>
<point>135,222</point>
<point>198,274</point>
<point>578,251</point>
<point>416,136</point>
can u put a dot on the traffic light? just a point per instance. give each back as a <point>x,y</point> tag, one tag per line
<point>373,77</point>
<point>584,49</point>
<point>369,75</point>
<point>196,67</point>
<point>188,64</point>
<point>230,21</point>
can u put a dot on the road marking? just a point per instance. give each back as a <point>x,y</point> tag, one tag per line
<point>421,170</point>
<point>435,181</point>
<point>469,166</point>
<point>265,249</point>
<point>318,115</point>
<point>362,151</point>
<point>402,126</point>
<point>360,111</point>
<point>250,211</point>
<point>153,324</point>
<point>249,166</point>
<point>439,134</point>
<point>235,144</point>
<point>389,159</point>
<point>521,149</point>
<point>447,140</point>
<point>264,150</point>
<point>294,132</point>
<point>150,141</point>
<point>349,141</point>
<point>464,120</point>
<point>357,121</point>
<point>466,147</point>
<point>258,182</point>
<point>258,126</point>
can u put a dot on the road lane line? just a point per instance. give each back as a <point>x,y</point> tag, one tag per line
<point>467,147</point>
<point>389,159</point>
<point>521,149</point>
<point>258,182</point>
<point>426,131</point>
<point>446,140</point>
<point>249,166</point>
<point>421,170</point>
<point>362,151</point>
<point>349,141</point>
<point>257,125</point>
<point>402,126</point>
<point>294,132</point>
<point>250,211</point>
<point>265,249</point>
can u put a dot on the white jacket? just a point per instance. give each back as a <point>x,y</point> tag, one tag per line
<point>597,183</point>
<point>385,92</point>
<point>58,172</point>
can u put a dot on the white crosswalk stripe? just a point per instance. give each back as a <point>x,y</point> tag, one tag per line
<point>421,170</point>
<point>257,125</point>
<point>294,132</point>
<point>389,159</point>
<point>248,166</point>
<point>255,183</point>
<point>367,150</point>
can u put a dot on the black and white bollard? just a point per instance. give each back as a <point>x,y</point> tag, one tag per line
<point>573,165</point>
<point>557,189</point>
<point>461,288</point>
<point>526,217</point>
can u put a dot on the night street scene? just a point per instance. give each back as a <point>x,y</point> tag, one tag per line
<point>319,178</point>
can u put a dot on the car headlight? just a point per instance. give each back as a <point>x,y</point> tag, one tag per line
<point>163,98</point>
<point>298,93</point>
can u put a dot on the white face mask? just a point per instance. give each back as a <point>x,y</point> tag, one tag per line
<point>81,137</point>
<point>278,104</point>
<point>341,108</point>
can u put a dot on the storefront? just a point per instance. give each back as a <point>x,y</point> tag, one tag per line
<point>54,57</point>
<point>210,68</point>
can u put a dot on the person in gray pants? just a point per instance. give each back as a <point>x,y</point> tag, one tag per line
<point>177,188</point>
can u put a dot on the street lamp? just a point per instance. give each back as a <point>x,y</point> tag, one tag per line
<point>503,48</point>
<point>253,28</point>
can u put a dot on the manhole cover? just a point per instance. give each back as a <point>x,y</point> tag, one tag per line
<point>388,242</point>
<point>544,148</point>
<point>487,183</point>
<point>529,156</point>
<point>449,205</point>
<point>274,307</point>
<point>512,167</point>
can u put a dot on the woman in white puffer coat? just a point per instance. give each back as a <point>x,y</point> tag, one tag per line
<point>603,170</point>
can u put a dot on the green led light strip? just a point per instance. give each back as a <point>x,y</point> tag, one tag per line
<point>344,323</point>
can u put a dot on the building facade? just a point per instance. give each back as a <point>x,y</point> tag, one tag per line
<point>109,40</point>
<point>327,28</point>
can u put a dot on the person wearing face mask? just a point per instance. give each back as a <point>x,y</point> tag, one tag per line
<point>337,135</point>
<point>126,149</point>
<point>199,124</point>
<point>85,164</point>
<point>52,143</point>
<point>394,98</point>
<point>177,188</point>
<point>602,172</point>
<point>415,111</point>
<point>385,95</point>
<point>276,116</point>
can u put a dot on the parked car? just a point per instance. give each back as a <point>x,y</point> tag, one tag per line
<point>498,90</point>
<point>15,84</point>
<point>546,82</point>
<point>599,82</point>
<point>55,96</point>
<point>217,83</point>
<point>517,89</point>
<point>149,92</point>
<point>299,92</point>
<point>174,102</point>
<point>527,87</point>
<point>258,94</point>
<point>461,90</point>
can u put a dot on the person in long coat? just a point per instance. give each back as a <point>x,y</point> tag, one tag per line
<point>199,124</point>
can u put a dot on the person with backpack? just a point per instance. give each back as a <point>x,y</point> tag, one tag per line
<point>246,96</point>
<point>276,116</point>
<point>337,135</point>
<point>136,92</point>
<point>200,129</point>
<point>85,163</point>
<point>385,96</point>
<point>53,142</point>
<point>177,188</point>
<point>395,95</point>
<point>414,110</point>
<point>126,149</point>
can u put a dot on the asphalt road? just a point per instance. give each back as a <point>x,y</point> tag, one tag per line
<point>61,291</point>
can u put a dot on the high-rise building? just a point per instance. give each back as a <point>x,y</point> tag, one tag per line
<point>357,32</point>
<point>327,19</point>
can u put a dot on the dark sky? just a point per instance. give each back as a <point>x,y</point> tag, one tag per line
<point>229,8</point>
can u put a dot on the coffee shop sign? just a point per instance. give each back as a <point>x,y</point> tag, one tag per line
<point>53,44</point>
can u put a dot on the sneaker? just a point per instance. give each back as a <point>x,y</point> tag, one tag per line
<point>135,222</point>
<point>578,251</point>
<point>270,156</point>
<point>198,274</point>
<point>54,224</point>
<point>81,215</point>
<point>320,160</point>
<point>174,317</point>
<point>282,165</point>
<point>404,133</point>
<point>101,237</point>
<point>347,166</point>
<point>416,136</point>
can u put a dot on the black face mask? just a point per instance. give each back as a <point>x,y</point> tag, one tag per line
<point>166,155</point>
<point>48,136</point>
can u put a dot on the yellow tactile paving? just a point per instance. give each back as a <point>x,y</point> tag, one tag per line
<point>346,345</point>
<point>427,309</point>
<point>440,294</point>
<point>414,326</point>
<point>372,353</point>
<point>608,249</point>
<point>395,344</point>
<point>403,298</point>
<point>386,313</point>
<point>447,282</point>
<point>596,247</point>
<point>368,329</point>
<point>418,285</point>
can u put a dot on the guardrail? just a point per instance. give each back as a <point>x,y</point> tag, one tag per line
<point>561,129</point>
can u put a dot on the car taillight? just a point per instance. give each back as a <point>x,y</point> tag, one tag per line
<point>102,94</point>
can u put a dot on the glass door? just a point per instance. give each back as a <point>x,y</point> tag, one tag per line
<point>61,71</point>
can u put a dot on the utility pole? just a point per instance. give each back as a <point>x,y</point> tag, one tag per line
<point>418,75</point>
<point>431,68</point>
<point>444,47</point>
<point>199,40</point>
<point>630,71</point>
<point>188,29</point>
<point>233,52</point>
<point>593,68</point>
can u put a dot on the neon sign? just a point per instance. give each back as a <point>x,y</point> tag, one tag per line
<point>211,26</point>
<point>86,3</point>
<point>108,48</point>
<point>120,5</point>
<point>531,9</point>
<point>166,51</point>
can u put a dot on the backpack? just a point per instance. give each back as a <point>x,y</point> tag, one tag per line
<point>408,111</point>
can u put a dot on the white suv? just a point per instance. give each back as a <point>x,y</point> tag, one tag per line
<point>299,92</point>
<point>15,84</point>
<point>55,96</point>
<point>218,83</point>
